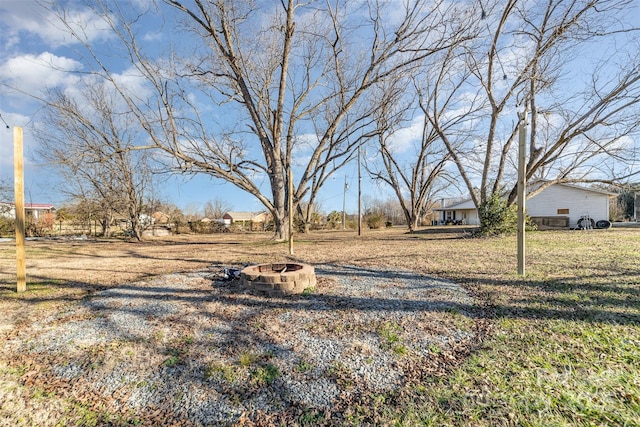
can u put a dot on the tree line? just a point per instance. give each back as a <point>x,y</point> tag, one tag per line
<point>84,216</point>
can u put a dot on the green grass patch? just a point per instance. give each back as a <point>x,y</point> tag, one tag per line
<point>400,349</point>
<point>172,361</point>
<point>303,366</point>
<point>312,417</point>
<point>34,289</point>
<point>247,358</point>
<point>226,372</point>
<point>249,367</point>
<point>265,374</point>
<point>564,346</point>
<point>539,373</point>
<point>390,335</point>
<point>390,331</point>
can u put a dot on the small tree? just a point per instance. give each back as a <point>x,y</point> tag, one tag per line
<point>497,217</point>
<point>374,220</point>
<point>334,218</point>
<point>625,200</point>
<point>91,137</point>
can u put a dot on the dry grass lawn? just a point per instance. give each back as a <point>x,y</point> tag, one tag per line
<point>560,347</point>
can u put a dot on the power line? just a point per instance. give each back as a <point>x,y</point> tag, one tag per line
<point>5,123</point>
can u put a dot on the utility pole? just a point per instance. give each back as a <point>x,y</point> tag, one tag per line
<point>344,204</point>
<point>18,172</point>
<point>522,191</point>
<point>290,209</point>
<point>359,195</point>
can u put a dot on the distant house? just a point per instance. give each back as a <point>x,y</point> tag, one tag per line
<point>557,206</point>
<point>251,220</point>
<point>160,217</point>
<point>462,212</point>
<point>33,212</point>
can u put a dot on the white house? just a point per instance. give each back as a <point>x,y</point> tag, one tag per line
<point>33,211</point>
<point>463,212</point>
<point>557,206</point>
<point>571,202</point>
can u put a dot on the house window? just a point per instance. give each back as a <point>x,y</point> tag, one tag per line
<point>563,211</point>
<point>449,214</point>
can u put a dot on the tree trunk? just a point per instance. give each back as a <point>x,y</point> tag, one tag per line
<point>413,223</point>
<point>280,213</point>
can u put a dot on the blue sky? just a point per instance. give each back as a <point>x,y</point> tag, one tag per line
<point>32,48</point>
<point>33,52</point>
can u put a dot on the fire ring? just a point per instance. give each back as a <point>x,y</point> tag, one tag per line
<point>278,280</point>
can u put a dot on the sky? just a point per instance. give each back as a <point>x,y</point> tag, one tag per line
<point>33,51</point>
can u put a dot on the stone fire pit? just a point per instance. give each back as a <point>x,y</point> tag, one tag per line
<point>277,280</point>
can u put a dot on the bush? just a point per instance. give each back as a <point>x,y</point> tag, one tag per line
<point>334,220</point>
<point>211,227</point>
<point>375,221</point>
<point>496,218</point>
<point>7,226</point>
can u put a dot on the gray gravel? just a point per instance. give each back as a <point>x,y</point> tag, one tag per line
<point>211,352</point>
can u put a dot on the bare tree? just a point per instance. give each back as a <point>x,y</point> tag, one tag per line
<point>216,209</point>
<point>309,215</point>
<point>293,76</point>
<point>92,141</point>
<point>526,59</point>
<point>192,212</point>
<point>413,172</point>
<point>6,190</point>
<point>6,195</point>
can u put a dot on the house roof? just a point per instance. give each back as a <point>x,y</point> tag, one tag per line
<point>244,216</point>
<point>33,206</point>
<point>578,187</point>
<point>39,206</point>
<point>468,203</point>
<point>465,204</point>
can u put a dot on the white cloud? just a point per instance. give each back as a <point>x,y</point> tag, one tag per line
<point>32,72</point>
<point>153,36</point>
<point>20,17</point>
<point>303,148</point>
<point>132,81</point>
<point>403,139</point>
<point>307,140</point>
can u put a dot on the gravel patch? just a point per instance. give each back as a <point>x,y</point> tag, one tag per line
<point>196,349</point>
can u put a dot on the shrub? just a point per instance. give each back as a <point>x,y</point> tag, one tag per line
<point>375,220</point>
<point>496,218</point>
<point>334,220</point>
<point>7,226</point>
<point>265,374</point>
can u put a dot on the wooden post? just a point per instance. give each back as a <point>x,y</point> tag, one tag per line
<point>18,171</point>
<point>359,195</point>
<point>344,204</point>
<point>522,191</point>
<point>290,203</point>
